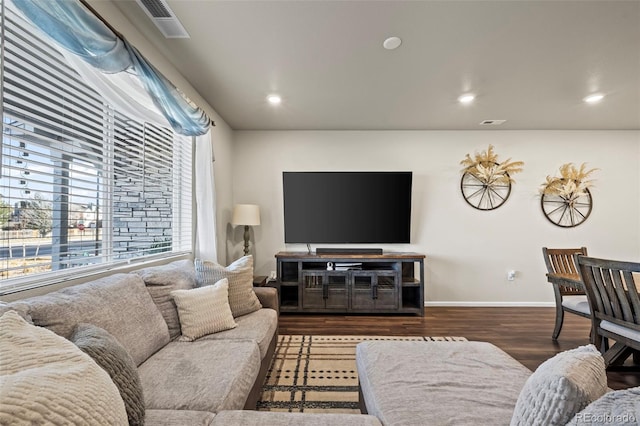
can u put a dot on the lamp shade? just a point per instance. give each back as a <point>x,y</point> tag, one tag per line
<point>246,214</point>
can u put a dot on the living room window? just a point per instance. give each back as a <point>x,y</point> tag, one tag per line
<point>84,186</point>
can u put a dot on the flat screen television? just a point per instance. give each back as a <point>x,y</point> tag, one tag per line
<point>347,207</point>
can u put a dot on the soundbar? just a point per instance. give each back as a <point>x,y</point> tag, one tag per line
<point>329,250</point>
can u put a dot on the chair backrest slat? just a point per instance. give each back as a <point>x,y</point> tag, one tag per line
<point>600,293</point>
<point>632,289</point>
<point>611,289</point>
<point>568,266</point>
<point>614,284</point>
<point>561,261</point>
<point>621,296</point>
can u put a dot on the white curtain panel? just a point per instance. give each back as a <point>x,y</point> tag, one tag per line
<point>125,92</point>
<point>122,90</point>
<point>205,246</point>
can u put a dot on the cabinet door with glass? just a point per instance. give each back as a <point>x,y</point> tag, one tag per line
<point>362,290</point>
<point>336,293</point>
<point>374,290</point>
<point>324,290</point>
<point>386,290</point>
<point>313,289</point>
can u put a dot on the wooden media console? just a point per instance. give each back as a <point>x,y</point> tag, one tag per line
<point>351,283</point>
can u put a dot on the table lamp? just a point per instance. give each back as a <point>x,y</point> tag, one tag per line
<point>247,215</point>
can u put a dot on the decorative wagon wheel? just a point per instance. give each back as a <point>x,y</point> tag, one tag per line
<point>483,195</point>
<point>566,200</point>
<point>567,211</point>
<point>486,183</point>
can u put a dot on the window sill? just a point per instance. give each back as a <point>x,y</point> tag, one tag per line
<point>23,287</point>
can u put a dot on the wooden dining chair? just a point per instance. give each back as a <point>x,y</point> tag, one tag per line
<point>612,289</point>
<point>562,273</point>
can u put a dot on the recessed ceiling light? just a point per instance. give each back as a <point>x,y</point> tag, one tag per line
<point>467,98</point>
<point>392,43</point>
<point>594,98</point>
<point>274,99</point>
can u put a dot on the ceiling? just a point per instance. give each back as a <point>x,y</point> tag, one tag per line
<point>528,62</point>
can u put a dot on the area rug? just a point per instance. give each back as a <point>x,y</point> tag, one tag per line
<point>314,374</point>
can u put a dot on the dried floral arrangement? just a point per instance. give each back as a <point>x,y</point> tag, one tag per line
<point>571,183</point>
<point>485,167</point>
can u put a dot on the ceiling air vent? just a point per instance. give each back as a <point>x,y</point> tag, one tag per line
<point>164,18</point>
<point>492,122</point>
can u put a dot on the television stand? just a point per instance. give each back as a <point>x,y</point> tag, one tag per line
<point>338,250</point>
<point>350,283</point>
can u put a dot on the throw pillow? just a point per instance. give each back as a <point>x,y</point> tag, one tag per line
<point>242,298</point>
<point>46,379</point>
<point>107,352</point>
<point>560,387</point>
<point>204,310</point>
<point>161,281</point>
<point>620,407</point>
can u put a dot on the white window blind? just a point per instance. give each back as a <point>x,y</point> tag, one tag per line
<point>83,186</point>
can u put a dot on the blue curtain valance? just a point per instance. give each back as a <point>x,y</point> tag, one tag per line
<point>78,30</point>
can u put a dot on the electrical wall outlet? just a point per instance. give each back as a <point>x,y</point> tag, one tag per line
<point>511,275</point>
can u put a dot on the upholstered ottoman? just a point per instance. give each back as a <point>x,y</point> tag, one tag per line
<point>266,418</point>
<point>438,383</point>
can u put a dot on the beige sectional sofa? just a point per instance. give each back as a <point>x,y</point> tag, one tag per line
<point>182,382</point>
<point>214,380</point>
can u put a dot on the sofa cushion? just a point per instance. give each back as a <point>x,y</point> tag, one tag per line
<point>161,281</point>
<point>120,304</point>
<point>242,298</point>
<point>560,387</point>
<point>430,383</point>
<point>619,407</point>
<point>260,326</point>
<point>105,350</point>
<point>268,297</point>
<point>201,375</point>
<point>21,308</point>
<point>204,310</point>
<point>179,418</point>
<point>262,418</point>
<point>46,379</point>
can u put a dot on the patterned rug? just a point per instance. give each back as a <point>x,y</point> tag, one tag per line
<point>313,374</point>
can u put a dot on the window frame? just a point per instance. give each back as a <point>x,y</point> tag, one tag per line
<point>183,214</point>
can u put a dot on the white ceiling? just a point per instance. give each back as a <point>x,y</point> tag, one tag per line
<point>529,62</point>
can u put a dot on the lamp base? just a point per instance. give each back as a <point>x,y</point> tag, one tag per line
<point>246,240</point>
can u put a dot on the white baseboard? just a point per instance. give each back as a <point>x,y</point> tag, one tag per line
<point>492,304</point>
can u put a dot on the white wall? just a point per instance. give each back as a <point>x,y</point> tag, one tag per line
<point>468,251</point>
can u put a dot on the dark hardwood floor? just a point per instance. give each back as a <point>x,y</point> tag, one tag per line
<point>524,333</point>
